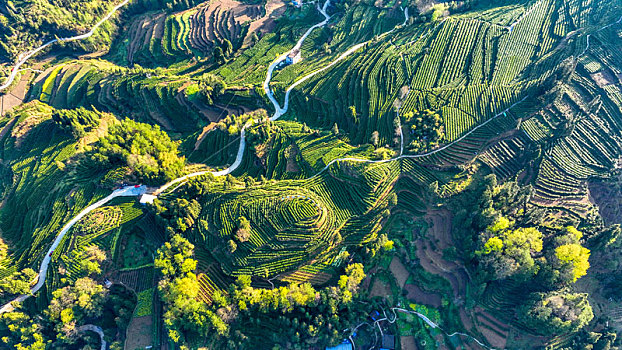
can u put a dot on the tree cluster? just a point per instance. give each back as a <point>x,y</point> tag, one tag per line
<point>557,312</point>
<point>77,121</point>
<point>145,149</point>
<point>425,129</point>
<point>16,284</point>
<point>506,251</point>
<point>222,51</point>
<point>207,89</point>
<point>179,214</point>
<point>186,318</point>
<point>27,24</point>
<point>84,301</point>
<point>506,239</point>
<point>307,314</point>
<point>304,315</point>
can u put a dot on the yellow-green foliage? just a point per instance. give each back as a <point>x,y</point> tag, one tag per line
<point>511,241</point>
<point>508,251</point>
<point>501,224</point>
<point>145,149</point>
<point>48,85</point>
<point>494,244</point>
<point>529,238</point>
<point>144,304</point>
<point>573,231</point>
<point>192,90</point>
<point>576,255</point>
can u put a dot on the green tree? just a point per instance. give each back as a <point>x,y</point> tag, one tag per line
<point>174,258</point>
<point>353,277</point>
<point>243,232</point>
<point>91,263</point>
<point>574,258</point>
<point>232,246</point>
<point>180,213</point>
<point>335,129</point>
<point>145,149</point>
<point>227,47</point>
<point>219,56</point>
<point>507,252</point>
<point>426,129</point>
<point>375,137</point>
<point>557,312</point>
<point>72,304</point>
<point>17,283</point>
<point>185,317</point>
<point>569,260</point>
<point>78,121</point>
<point>19,331</point>
<point>353,114</point>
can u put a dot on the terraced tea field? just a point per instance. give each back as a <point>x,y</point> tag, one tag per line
<point>317,137</point>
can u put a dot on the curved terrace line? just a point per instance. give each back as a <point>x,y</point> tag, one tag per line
<point>279,111</point>
<point>128,191</point>
<point>24,56</point>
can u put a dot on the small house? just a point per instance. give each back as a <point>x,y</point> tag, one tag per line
<point>147,198</point>
<point>293,57</point>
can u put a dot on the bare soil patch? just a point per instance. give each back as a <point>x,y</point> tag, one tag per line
<point>292,166</point>
<point>608,197</point>
<point>367,281</point>
<point>7,127</point>
<point>381,289</point>
<point>603,78</point>
<point>417,295</point>
<point>17,95</point>
<point>408,343</point>
<point>497,341</point>
<point>440,227</point>
<point>431,256</point>
<point>399,271</point>
<point>139,333</point>
<point>431,259</point>
<point>274,9</point>
<point>21,130</point>
<point>494,330</point>
<point>201,137</point>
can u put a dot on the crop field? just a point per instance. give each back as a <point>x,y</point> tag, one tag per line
<point>160,39</point>
<point>96,85</point>
<point>298,229</point>
<point>370,157</point>
<point>476,73</point>
<point>293,222</point>
<point>592,146</point>
<point>351,28</point>
<point>144,307</point>
<point>37,206</point>
<point>465,67</point>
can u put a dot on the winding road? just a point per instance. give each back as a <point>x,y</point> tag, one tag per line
<point>23,57</point>
<point>423,317</point>
<point>96,329</point>
<point>279,111</point>
<point>128,191</point>
<point>587,46</point>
